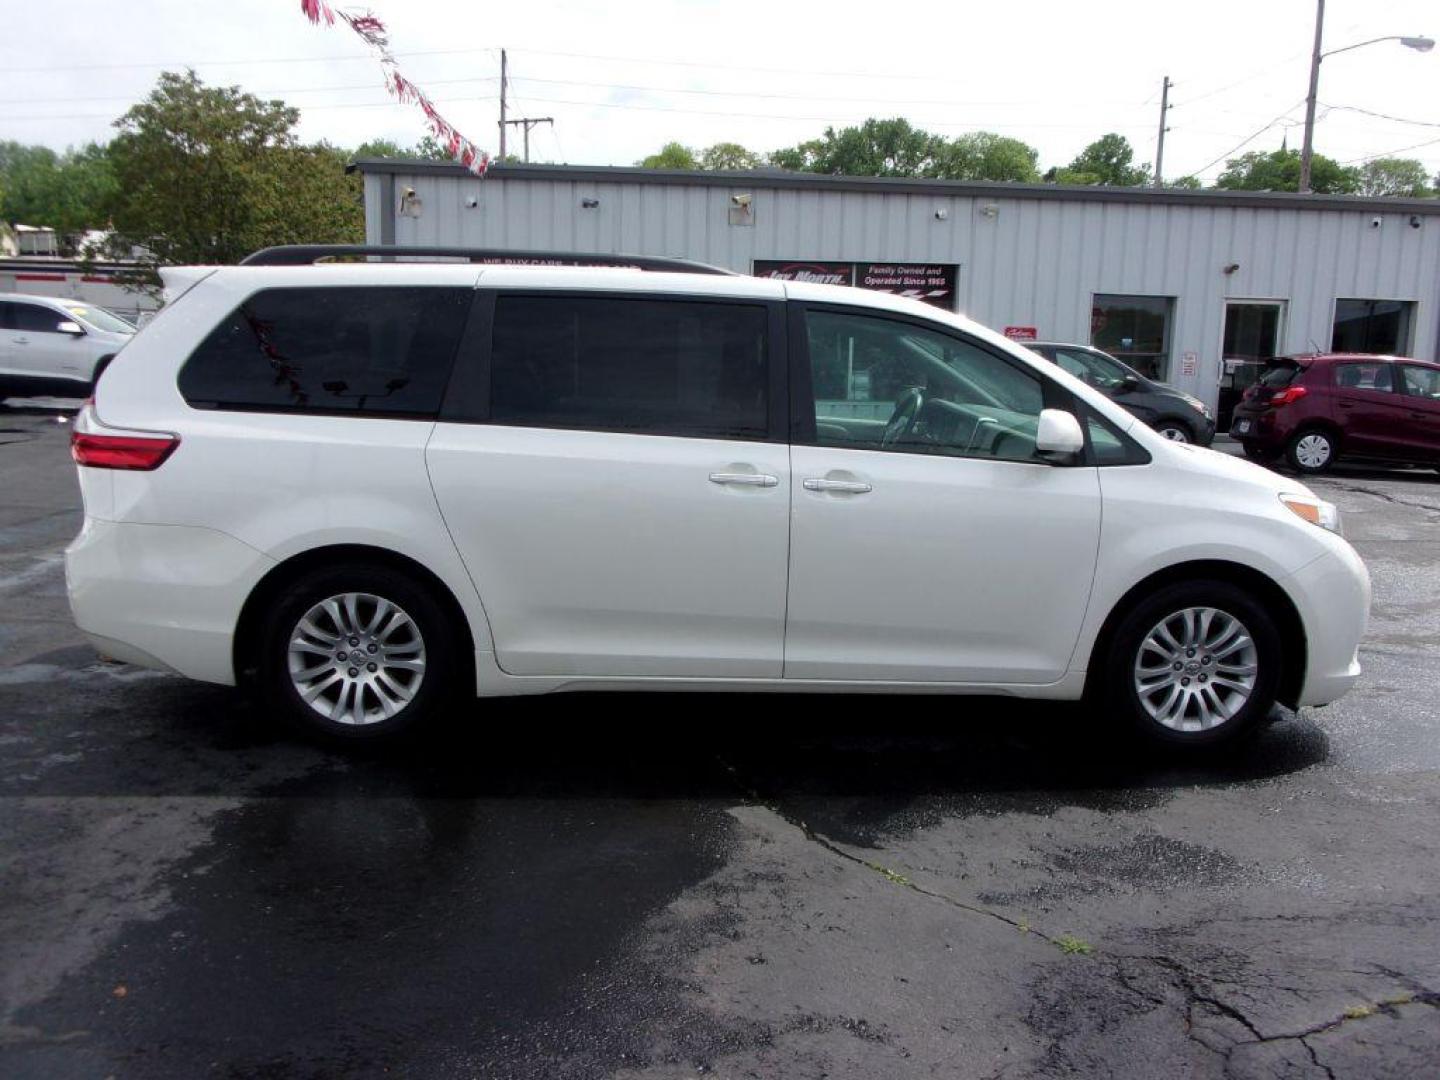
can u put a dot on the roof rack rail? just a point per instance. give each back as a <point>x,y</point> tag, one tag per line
<point>308,254</point>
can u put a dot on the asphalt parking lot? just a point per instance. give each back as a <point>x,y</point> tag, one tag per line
<point>737,886</point>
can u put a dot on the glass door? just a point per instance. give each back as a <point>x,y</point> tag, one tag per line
<point>1252,337</point>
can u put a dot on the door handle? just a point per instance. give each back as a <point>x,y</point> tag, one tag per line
<point>21,340</point>
<point>1347,405</point>
<point>845,487</point>
<point>745,479</point>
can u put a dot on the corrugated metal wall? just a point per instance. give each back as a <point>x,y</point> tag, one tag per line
<point>1024,261</point>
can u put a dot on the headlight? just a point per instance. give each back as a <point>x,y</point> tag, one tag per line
<point>1316,511</point>
<point>1198,404</point>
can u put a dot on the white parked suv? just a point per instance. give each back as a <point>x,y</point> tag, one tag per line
<point>370,486</point>
<point>54,345</point>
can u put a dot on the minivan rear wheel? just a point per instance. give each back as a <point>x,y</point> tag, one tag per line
<point>1195,664</point>
<point>1311,451</point>
<point>356,652</point>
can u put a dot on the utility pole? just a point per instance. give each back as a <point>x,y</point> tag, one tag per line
<point>503,73</point>
<point>528,122</point>
<point>1160,145</point>
<point>1308,153</point>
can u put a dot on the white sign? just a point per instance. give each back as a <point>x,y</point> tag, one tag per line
<point>1187,363</point>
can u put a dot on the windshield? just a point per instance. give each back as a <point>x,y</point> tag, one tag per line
<point>1096,369</point>
<point>99,318</point>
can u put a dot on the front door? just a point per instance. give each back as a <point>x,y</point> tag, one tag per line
<point>1251,337</point>
<point>622,501</point>
<point>928,541</point>
<point>1421,386</point>
<point>1372,413</point>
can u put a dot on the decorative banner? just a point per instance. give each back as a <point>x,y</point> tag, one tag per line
<point>372,31</point>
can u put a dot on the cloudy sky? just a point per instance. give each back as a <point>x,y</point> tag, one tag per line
<point>622,77</point>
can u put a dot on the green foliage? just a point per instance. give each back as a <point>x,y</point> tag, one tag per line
<point>1107,162</point>
<point>1403,177</point>
<point>1279,170</point>
<point>208,174</point>
<point>729,156</point>
<point>672,155</point>
<point>68,192</point>
<point>1071,945</point>
<point>876,148</point>
<point>984,155</point>
<point>1189,183</point>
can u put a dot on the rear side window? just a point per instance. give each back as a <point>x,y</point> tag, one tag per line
<point>382,351</point>
<point>1280,376</point>
<point>659,367</point>
<point>1364,376</point>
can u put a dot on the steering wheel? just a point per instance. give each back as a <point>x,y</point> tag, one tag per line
<point>902,420</point>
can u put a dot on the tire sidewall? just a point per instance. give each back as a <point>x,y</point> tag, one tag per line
<point>1176,425</point>
<point>1124,701</point>
<point>418,602</point>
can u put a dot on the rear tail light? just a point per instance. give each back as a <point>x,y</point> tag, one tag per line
<point>135,452</point>
<point>1288,396</point>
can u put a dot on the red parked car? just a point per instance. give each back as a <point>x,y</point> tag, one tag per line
<point>1315,409</point>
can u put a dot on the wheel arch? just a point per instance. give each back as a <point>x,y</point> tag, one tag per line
<point>1264,588</point>
<point>247,626</point>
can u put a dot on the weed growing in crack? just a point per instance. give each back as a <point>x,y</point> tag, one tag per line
<point>1071,945</point>
<point>890,875</point>
<point>1359,1012</point>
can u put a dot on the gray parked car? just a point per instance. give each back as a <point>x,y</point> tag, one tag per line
<point>55,345</point>
<point>1173,413</point>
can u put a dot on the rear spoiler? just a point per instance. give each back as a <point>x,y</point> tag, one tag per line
<point>178,280</point>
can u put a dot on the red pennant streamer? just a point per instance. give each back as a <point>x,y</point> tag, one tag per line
<point>372,31</point>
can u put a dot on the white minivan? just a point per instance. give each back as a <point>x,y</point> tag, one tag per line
<point>369,486</point>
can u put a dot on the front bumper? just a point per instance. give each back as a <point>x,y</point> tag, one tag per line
<point>1332,595</point>
<point>163,596</point>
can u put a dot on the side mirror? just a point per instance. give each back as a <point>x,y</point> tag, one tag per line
<point>1058,438</point>
<point>69,326</point>
<point>1129,384</point>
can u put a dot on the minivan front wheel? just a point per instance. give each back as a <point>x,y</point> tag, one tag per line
<point>1195,664</point>
<point>356,653</point>
<point>1175,431</point>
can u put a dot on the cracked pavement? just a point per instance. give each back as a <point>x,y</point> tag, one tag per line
<point>664,886</point>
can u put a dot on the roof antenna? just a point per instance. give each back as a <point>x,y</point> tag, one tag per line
<point>1314,347</point>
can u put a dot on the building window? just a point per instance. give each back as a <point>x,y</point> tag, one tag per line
<point>1373,326</point>
<point>1136,329</point>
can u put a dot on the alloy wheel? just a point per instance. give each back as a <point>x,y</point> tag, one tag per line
<point>1195,669</point>
<point>356,658</point>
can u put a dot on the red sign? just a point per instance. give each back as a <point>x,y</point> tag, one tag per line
<point>1021,333</point>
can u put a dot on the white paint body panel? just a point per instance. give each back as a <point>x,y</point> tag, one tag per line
<point>594,560</point>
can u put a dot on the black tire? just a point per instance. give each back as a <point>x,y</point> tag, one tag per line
<point>1256,453</point>
<point>1183,432</point>
<point>1122,699</point>
<point>431,691</point>
<point>1302,453</point>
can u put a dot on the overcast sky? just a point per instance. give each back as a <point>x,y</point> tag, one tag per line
<point>623,77</point>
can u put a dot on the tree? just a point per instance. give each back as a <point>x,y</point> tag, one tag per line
<point>1403,177</point>
<point>729,156</point>
<point>68,192</point>
<point>1106,161</point>
<point>875,148</point>
<point>1188,183</point>
<point>984,155</point>
<point>672,155</point>
<point>208,174</point>
<point>1279,170</point>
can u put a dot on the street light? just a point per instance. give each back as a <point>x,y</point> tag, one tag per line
<point>1419,44</point>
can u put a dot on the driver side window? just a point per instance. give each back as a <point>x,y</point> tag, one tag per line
<point>883,384</point>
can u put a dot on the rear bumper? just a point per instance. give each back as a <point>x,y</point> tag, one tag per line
<point>164,596</point>
<point>1333,597</point>
<point>1258,427</point>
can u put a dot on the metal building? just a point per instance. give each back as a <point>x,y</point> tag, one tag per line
<point>1190,286</point>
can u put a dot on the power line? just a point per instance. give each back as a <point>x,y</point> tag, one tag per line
<point>1390,153</point>
<point>233,63</point>
<point>1248,140</point>
<point>1380,116</point>
<point>256,93</point>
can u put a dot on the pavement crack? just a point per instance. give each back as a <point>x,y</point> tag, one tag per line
<point>1390,498</point>
<point>753,795</point>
